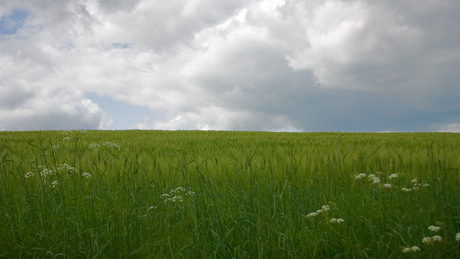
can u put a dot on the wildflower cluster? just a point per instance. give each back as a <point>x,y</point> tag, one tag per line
<point>371,177</point>
<point>63,169</point>
<point>67,136</point>
<point>411,249</point>
<point>70,136</point>
<point>54,184</point>
<point>434,228</point>
<point>111,145</point>
<point>324,208</point>
<point>106,144</point>
<point>415,186</point>
<point>94,146</point>
<point>431,240</point>
<point>377,181</point>
<point>336,220</point>
<point>176,195</point>
<point>45,172</point>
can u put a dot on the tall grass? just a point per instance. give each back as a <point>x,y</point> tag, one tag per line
<point>193,194</point>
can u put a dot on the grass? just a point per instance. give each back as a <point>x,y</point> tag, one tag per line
<point>242,194</point>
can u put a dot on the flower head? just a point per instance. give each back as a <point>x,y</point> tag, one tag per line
<point>325,207</point>
<point>415,248</point>
<point>393,176</point>
<point>387,186</point>
<point>336,220</point>
<point>411,249</point>
<point>431,240</point>
<point>376,181</point>
<point>312,214</point>
<point>87,175</point>
<point>28,175</point>
<point>94,146</point>
<point>434,228</point>
<point>457,237</point>
<point>359,176</point>
<point>55,184</point>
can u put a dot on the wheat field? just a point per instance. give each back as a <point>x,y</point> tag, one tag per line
<point>222,194</point>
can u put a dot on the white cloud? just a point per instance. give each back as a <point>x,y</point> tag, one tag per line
<point>201,64</point>
<point>451,127</point>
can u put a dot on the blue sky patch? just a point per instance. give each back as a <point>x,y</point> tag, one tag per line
<point>10,23</point>
<point>122,114</point>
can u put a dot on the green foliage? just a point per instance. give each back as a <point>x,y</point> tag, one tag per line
<point>194,194</point>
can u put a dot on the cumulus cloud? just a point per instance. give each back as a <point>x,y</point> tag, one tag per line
<point>244,65</point>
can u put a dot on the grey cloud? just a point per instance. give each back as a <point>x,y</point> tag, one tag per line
<point>246,65</point>
<point>49,114</point>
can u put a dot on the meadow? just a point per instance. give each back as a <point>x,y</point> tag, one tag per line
<point>212,194</point>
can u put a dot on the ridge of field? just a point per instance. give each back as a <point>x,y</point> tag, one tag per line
<point>198,194</point>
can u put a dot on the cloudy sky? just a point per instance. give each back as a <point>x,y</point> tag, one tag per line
<point>272,65</point>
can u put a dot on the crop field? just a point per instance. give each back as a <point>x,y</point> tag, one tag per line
<point>212,194</point>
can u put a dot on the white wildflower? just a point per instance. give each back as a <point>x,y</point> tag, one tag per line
<point>94,146</point>
<point>359,176</point>
<point>434,228</point>
<point>151,208</point>
<point>325,207</point>
<point>87,175</point>
<point>55,184</point>
<point>312,214</point>
<point>427,240</point>
<point>376,180</point>
<point>29,174</point>
<point>426,185</point>
<point>336,220</point>
<point>431,240</point>
<point>111,145</point>
<point>177,190</point>
<point>404,189</point>
<point>411,249</point>
<point>371,176</point>
<point>457,237</point>
<point>319,211</point>
<point>165,195</point>
<point>415,248</point>
<point>407,250</point>
<point>67,168</point>
<point>190,193</point>
<point>67,138</point>
<point>387,186</point>
<point>393,176</point>
<point>46,172</point>
<point>414,181</point>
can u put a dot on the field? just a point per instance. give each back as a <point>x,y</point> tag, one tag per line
<point>194,194</point>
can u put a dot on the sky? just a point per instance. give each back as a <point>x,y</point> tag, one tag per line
<point>272,65</point>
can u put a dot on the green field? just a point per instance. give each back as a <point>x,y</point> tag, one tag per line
<point>195,194</point>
